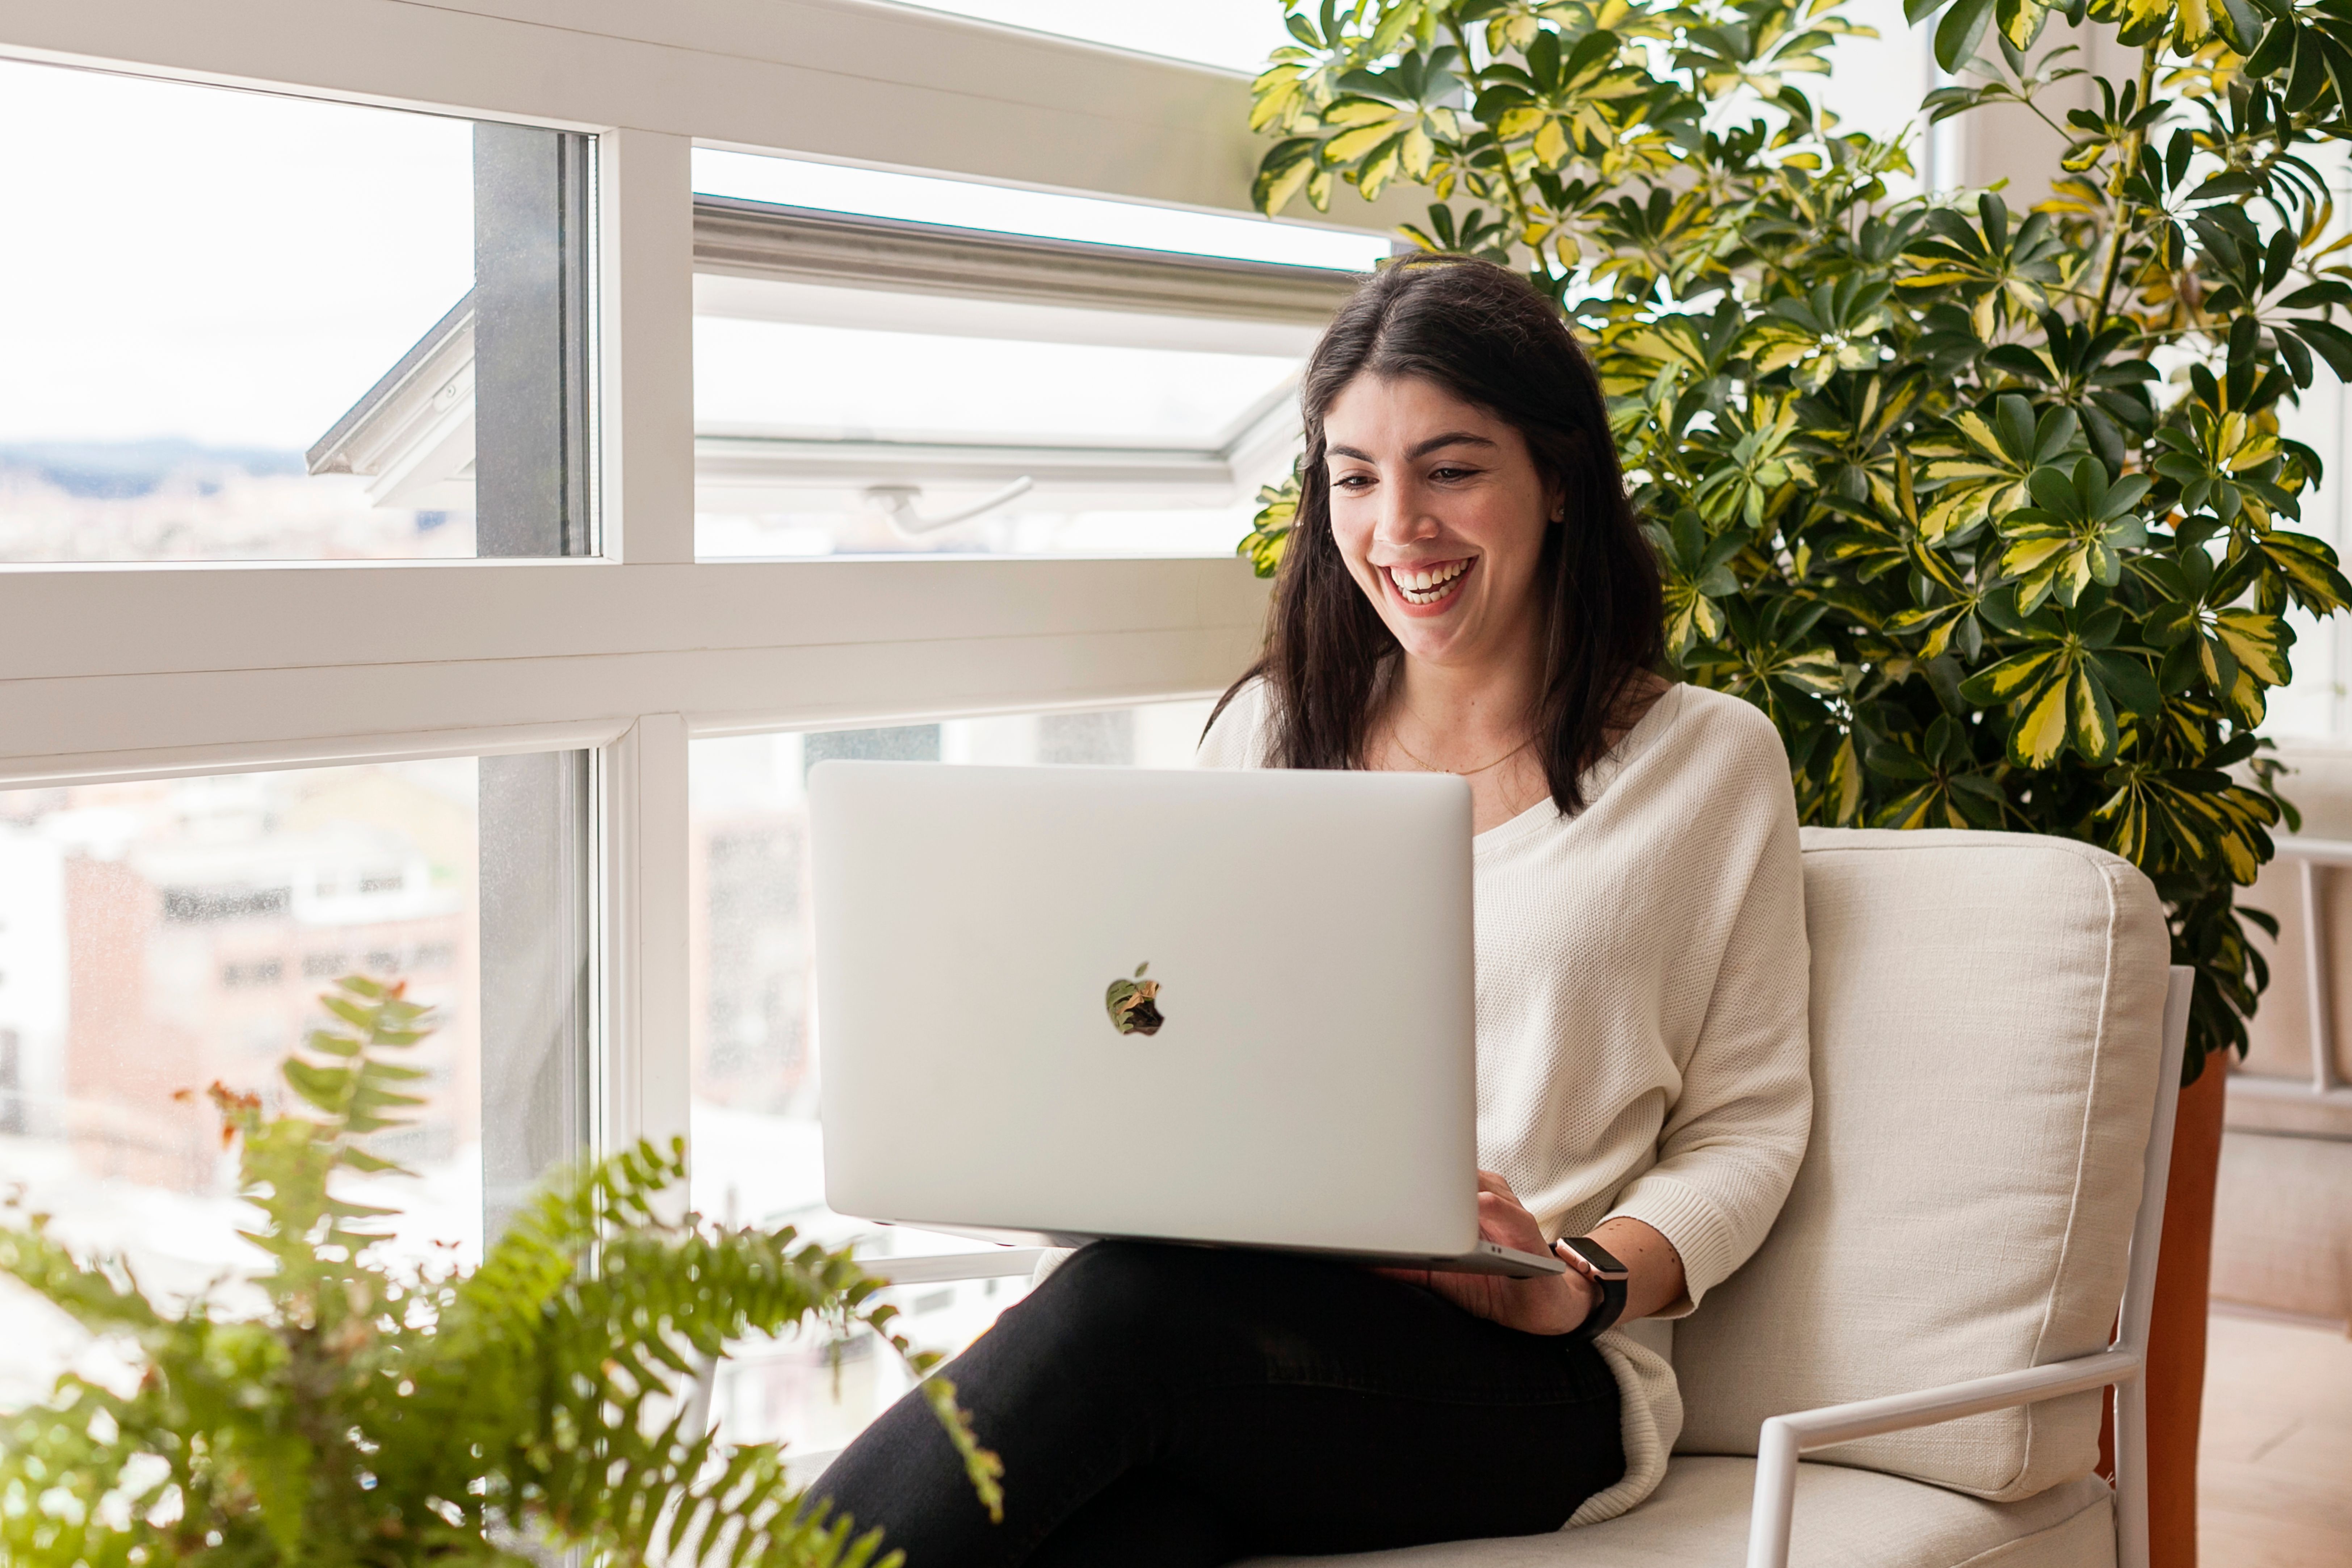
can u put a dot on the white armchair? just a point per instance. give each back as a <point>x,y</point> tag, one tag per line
<point>1996,1041</point>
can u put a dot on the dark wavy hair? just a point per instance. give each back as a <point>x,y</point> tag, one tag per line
<point>1483,334</point>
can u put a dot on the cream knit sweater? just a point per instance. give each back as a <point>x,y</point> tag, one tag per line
<point>1642,1010</point>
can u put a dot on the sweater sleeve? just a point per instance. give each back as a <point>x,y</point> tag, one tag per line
<point>1732,1140</point>
<point>1237,739</point>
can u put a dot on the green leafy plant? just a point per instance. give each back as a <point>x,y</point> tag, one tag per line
<point>1991,511</point>
<point>368,1416</point>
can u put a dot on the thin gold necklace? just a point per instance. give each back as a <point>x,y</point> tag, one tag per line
<point>1460,772</point>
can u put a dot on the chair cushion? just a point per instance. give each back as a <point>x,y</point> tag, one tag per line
<point>1986,1023</point>
<point>1846,1518</point>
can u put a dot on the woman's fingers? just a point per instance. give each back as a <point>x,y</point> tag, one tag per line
<point>1503,1218</point>
<point>1506,1220</point>
<point>1493,1182</point>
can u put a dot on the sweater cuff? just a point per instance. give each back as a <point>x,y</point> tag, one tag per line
<point>1698,1230</point>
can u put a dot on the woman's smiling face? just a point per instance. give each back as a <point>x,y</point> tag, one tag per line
<point>1441,514</point>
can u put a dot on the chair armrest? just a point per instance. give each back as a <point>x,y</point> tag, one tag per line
<point>1784,1437</point>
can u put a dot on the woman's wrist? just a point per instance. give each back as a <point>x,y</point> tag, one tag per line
<point>1577,1299</point>
<point>1657,1283</point>
<point>1605,1279</point>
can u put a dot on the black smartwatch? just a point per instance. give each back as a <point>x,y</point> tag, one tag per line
<point>1598,1264</point>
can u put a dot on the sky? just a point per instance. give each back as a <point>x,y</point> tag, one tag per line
<point>233,267</point>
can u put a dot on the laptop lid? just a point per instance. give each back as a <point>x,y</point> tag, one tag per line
<point>1211,1005</point>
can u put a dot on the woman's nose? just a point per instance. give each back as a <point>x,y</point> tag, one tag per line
<point>1403,518</point>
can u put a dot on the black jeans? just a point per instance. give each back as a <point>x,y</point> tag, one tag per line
<point>1179,1407</point>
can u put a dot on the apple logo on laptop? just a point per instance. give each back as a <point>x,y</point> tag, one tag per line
<point>1134,1005</point>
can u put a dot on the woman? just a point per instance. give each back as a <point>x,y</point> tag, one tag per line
<point>1467,591</point>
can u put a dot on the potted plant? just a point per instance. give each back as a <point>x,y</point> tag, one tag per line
<point>1990,511</point>
<point>369,1414</point>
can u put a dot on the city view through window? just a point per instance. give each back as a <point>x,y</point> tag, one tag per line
<point>294,373</point>
<point>162,936</point>
<point>758,1149</point>
<point>157,412</point>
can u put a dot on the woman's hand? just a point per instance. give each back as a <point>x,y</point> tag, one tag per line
<point>1547,1304</point>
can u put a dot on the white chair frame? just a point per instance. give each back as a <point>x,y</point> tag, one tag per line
<point>1785,1439</point>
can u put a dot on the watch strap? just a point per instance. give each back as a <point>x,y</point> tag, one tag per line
<point>1592,1260</point>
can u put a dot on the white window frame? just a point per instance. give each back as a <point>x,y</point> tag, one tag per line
<point>119,671</point>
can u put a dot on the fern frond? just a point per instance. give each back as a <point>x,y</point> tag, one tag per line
<point>366,1421</point>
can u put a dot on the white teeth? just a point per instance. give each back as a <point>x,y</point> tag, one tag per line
<point>1422,585</point>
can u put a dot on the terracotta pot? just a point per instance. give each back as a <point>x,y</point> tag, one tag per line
<point>2176,1334</point>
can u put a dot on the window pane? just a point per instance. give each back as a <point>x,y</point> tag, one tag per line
<point>822,441</point>
<point>245,326</point>
<point>818,440</point>
<point>162,936</point>
<point>758,1151</point>
<point>886,364</point>
<point>813,383</point>
<point>1093,220</point>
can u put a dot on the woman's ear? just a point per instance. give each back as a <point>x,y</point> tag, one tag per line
<point>1554,490</point>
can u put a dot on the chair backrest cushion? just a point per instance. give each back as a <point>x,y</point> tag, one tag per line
<point>1987,1014</point>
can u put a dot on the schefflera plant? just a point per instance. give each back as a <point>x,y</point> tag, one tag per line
<point>369,1416</point>
<point>1992,511</point>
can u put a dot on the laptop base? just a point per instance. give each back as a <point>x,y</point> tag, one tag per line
<point>1486,1257</point>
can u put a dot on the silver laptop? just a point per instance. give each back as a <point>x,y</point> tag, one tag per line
<point>1228,1007</point>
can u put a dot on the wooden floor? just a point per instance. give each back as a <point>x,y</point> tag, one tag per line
<point>2275,1482</point>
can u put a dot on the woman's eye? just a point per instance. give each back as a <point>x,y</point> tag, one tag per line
<point>1448,474</point>
<point>1351,481</point>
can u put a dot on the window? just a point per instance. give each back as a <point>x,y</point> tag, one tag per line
<point>245,326</point>
<point>1015,373</point>
<point>160,936</point>
<point>233,216</point>
<point>758,1148</point>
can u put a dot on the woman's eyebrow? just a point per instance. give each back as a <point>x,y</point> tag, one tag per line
<point>1452,438</point>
